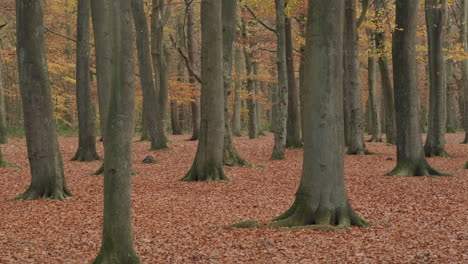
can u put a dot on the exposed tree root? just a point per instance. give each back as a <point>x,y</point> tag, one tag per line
<point>436,152</point>
<point>47,193</point>
<point>358,151</point>
<point>99,171</point>
<point>302,216</point>
<point>210,174</point>
<point>232,158</point>
<point>85,156</point>
<point>407,169</point>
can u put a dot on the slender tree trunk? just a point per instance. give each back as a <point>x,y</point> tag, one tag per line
<point>282,102</point>
<point>410,154</point>
<point>3,113</point>
<point>175,123</point>
<point>436,16</point>
<point>144,126</point>
<point>352,81</point>
<point>159,17</point>
<point>86,119</point>
<point>45,160</point>
<point>236,123</point>
<point>208,163</point>
<point>258,106</point>
<point>252,123</point>
<point>150,123</point>
<point>388,94</point>
<point>464,40</point>
<point>192,54</point>
<point>372,86</point>
<point>321,198</point>
<point>117,237</point>
<point>293,126</point>
<point>451,126</point>
<point>230,155</point>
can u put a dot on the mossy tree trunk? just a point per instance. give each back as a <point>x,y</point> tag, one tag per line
<point>208,163</point>
<point>230,155</point>
<point>372,86</point>
<point>236,120</point>
<point>352,81</point>
<point>192,55</point>
<point>321,198</point>
<point>436,16</point>
<point>45,161</point>
<point>117,237</point>
<point>160,15</point>
<point>149,129</point>
<point>410,155</point>
<point>282,95</point>
<point>293,134</point>
<point>86,118</point>
<point>387,88</point>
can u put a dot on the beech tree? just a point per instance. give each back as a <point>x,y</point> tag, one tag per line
<point>45,160</point>
<point>410,155</point>
<point>236,120</point>
<point>321,199</point>
<point>208,163</point>
<point>117,241</point>
<point>281,103</point>
<point>372,87</point>
<point>86,118</point>
<point>464,40</point>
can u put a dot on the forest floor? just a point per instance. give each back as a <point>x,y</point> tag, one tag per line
<point>414,220</point>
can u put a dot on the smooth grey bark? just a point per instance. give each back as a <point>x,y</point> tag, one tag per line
<point>86,119</point>
<point>321,199</point>
<point>117,237</point>
<point>293,125</point>
<point>282,98</point>
<point>160,15</point>
<point>410,154</point>
<point>464,40</point>
<point>352,81</point>
<point>3,124</point>
<point>175,123</point>
<point>192,55</point>
<point>452,122</point>
<point>45,160</point>
<point>230,155</point>
<point>258,106</point>
<point>236,120</point>
<point>436,17</point>
<point>150,100</point>
<point>249,66</point>
<point>387,88</point>
<point>372,86</point>
<point>208,163</point>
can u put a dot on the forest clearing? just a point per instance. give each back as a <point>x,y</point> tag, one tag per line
<point>413,220</point>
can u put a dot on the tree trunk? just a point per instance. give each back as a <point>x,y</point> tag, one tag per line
<point>282,102</point>
<point>175,123</point>
<point>117,238</point>
<point>321,198</point>
<point>352,81</point>
<point>192,55</point>
<point>293,134</point>
<point>3,113</point>
<point>86,122</point>
<point>388,94</point>
<point>230,155</point>
<point>253,130</point>
<point>436,16</point>
<point>159,17</point>
<point>410,155</point>
<point>372,86</point>
<point>149,129</point>
<point>464,40</point>
<point>45,161</point>
<point>258,106</point>
<point>208,163</point>
<point>236,123</point>
<point>451,126</point>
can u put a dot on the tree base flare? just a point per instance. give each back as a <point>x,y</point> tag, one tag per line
<point>210,174</point>
<point>277,156</point>
<point>99,171</point>
<point>53,194</point>
<point>232,158</point>
<point>375,139</point>
<point>294,144</point>
<point>358,151</point>
<point>436,152</point>
<point>407,169</point>
<point>107,257</point>
<point>85,156</point>
<point>466,165</point>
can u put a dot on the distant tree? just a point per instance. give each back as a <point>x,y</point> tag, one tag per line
<point>86,118</point>
<point>436,17</point>
<point>208,163</point>
<point>321,197</point>
<point>236,120</point>
<point>150,104</point>
<point>45,160</point>
<point>3,125</point>
<point>281,103</point>
<point>372,87</point>
<point>464,40</point>
<point>410,154</point>
<point>117,238</point>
